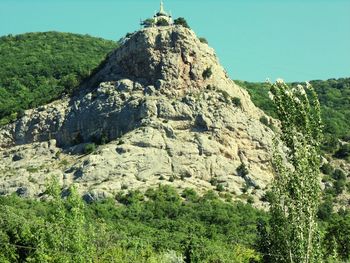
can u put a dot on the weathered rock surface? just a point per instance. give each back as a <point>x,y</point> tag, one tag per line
<point>166,121</point>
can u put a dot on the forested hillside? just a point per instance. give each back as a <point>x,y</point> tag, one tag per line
<point>37,68</point>
<point>334,96</point>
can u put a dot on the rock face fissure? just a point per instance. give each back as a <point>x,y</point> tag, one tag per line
<point>167,109</point>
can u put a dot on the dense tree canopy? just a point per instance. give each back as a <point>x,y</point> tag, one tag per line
<point>37,68</point>
<point>142,228</point>
<point>182,22</point>
<point>158,226</point>
<point>334,97</point>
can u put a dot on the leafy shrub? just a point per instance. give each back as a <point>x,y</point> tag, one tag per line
<point>207,73</point>
<point>327,168</point>
<point>267,197</point>
<point>64,162</point>
<point>154,229</point>
<point>250,200</point>
<point>203,40</point>
<point>264,120</point>
<point>190,195</point>
<point>182,22</point>
<point>124,186</point>
<point>242,170</point>
<point>339,174</point>
<point>162,22</point>
<point>325,210</point>
<point>237,102</point>
<point>89,148</point>
<point>330,144</point>
<point>100,139</point>
<point>343,152</point>
<point>220,187</point>
<point>213,181</point>
<point>32,169</point>
<point>148,22</point>
<point>337,237</point>
<point>225,95</point>
<point>172,257</point>
<point>339,186</point>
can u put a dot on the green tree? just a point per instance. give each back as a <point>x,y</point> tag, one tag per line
<point>337,237</point>
<point>68,237</point>
<point>207,73</point>
<point>182,22</point>
<point>343,152</point>
<point>148,22</point>
<point>294,230</point>
<point>162,22</point>
<point>203,40</point>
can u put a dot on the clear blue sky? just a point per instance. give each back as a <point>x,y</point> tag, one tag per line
<point>254,39</point>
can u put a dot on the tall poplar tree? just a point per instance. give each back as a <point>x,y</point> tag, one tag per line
<point>294,233</point>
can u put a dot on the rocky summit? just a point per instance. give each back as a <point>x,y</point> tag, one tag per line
<point>161,110</point>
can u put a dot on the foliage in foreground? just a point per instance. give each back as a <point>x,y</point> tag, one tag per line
<point>294,235</point>
<point>159,226</point>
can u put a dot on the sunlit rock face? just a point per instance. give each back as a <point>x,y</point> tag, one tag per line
<point>169,113</point>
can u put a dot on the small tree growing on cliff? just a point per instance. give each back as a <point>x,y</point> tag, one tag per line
<point>296,190</point>
<point>149,22</point>
<point>162,22</point>
<point>182,22</point>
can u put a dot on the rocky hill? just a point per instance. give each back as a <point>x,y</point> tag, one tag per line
<point>162,109</point>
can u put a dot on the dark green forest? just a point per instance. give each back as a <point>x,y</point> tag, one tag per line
<point>37,68</point>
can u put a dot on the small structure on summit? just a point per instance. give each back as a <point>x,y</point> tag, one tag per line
<point>161,18</point>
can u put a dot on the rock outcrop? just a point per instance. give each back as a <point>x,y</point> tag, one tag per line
<point>169,113</point>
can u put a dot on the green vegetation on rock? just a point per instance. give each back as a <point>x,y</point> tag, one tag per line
<point>182,22</point>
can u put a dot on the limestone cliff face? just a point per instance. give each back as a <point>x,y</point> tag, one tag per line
<point>170,114</point>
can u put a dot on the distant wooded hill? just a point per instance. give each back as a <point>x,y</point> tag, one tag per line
<point>334,97</point>
<point>36,68</point>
